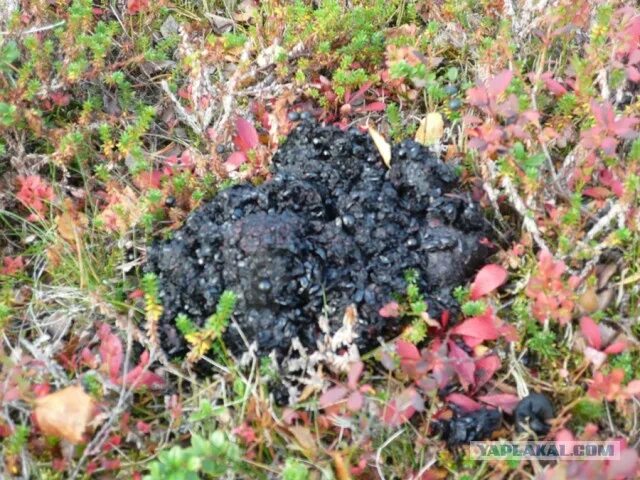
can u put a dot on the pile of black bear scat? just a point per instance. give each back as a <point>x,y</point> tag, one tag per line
<point>332,227</point>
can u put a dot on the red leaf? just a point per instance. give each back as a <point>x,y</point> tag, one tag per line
<point>599,193</point>
<point>485,368</point>
<point>609,145</point>
<point>137,293</point>
<point>143,427</point>
<point>505,401</point>
<point>633,74</point>
<point>247,134</point>
<point>59,98</point>
<point>235,160</point>
<point>88,358</point>
<point>624,127</point>
<point>626,466</point>
<point>608,387</point>
<point>553,85</point>
<point>246,433</point>
<point>462,363</point>
<point>616,347</point>
<point>498,84</point>
<point>375,107</point>
<point>148,179</point>
<point>478,96</point>
<point>141,377</point>
<point>477,329</point>
<point>111,352</point>
<point>390,310</point>
<point>509,332</point>
<point>464,402</point>
<point>391,416</point>
<point>135,6</point>
<point>333,396</point>
<point>354,375</point>
<point>11,265</point>
<point>355,401</point>
<point>407,350</point>
<point>34,193</point>
<point>564,435</point>
<point>444,318</point>
<point>401,409</point>
<point>487,280</point>
<point>591,332</point>
<point>633,387</point>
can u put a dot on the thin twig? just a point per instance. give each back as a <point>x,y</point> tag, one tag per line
<point>382,447</point>
<point>614,212</point>
<point>527,222</point>
<point>36,29</point>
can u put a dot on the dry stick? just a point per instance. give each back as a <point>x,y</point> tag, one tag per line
<point>180,110</point>
<point>227,100</point>
<point>382,447</point>
<point>427,466</point>
<point>100,437</point>
<point>616,211</point>
<point>125,394</point>
<point>37,29</point>
<point>527,222</point>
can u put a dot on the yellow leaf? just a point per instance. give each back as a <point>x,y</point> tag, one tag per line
<point>588,301</point>
<point>200,344</point>
<point>305,439</point>
<point>381,144</point>
<point>431,129</point>
<point>153,311</point>
<point>70,226</point>
<point>307,391</point>
<point>65,414</point>
<point>341,468</point>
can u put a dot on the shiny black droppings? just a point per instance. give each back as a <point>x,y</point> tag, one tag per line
<point>463,428</point>
<point>533,412</point>
<point>332,227</point>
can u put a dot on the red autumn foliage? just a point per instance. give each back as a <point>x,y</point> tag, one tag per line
<point>504,401</point>
<point>112,356</point>
<point>247,136</point>
<point>351,394</point>
<point>487,280</point>
<point>608,129</point>
<point>486,367</point>
<point>245,433</point>
<point>552,295</point>
<point>180,163</point>
<point>400,409</point>
<point>390,310</point>
<point>591,332</point>
<point>111,351</point>
<point>34,194</point>
<point>552,84</point>
<point>485,95</point>
<point>502,121</point>
<point>11,265</point>
<point>625,467</point>
<point>140,376</point>
<point>136,6</point>
<point>607,387</point>
<point>465,403</point>
<point>487,326</point>
<point>626,42</point>
<point>246,139</point>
